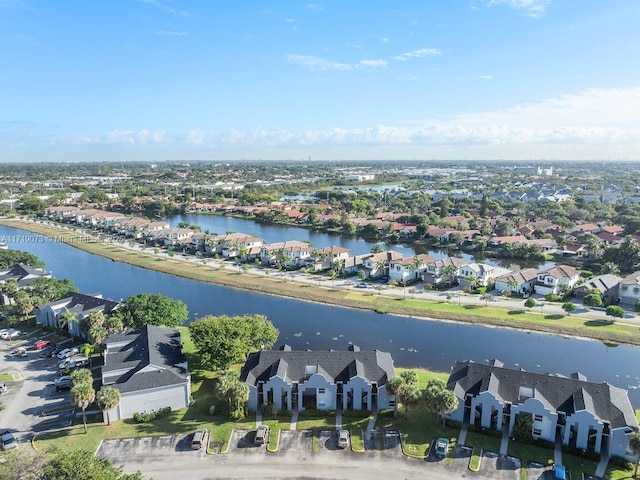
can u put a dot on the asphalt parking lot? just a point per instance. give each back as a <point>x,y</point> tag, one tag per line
<point>32,393</point>
<point>460,457</point>
<point>241,443</point>
<point>296,443</point>
<point>149,448</point>
<point>500,466</point>
<point>537,471</point>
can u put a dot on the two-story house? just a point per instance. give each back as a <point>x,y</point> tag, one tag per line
<point>322,380</point>
<point>557,279</point>
<point>409,269</point>
<point>377,265</point>
<point>521,282</point>
<point>480,275</point>
<point>444,270</point>
<point>596,417</point>
<point>629,289</point>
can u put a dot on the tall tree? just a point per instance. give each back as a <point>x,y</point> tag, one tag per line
<point>83,395</point>
<point>50,289</point>
<point>439,400</point>
<point>152,309</point>
<point>223,340</point>
<point>108,399</point>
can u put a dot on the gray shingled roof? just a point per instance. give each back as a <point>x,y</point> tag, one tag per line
<point>79,302</point>
<point>20,271</point>
<point>155,350</point>
<point>336,366</point>
<point>610,404</point>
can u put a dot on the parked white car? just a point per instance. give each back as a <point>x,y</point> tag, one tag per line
<point>67,352</point>
<point>9,334</point>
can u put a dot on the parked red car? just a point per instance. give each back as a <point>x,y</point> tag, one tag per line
<point>40,344</point>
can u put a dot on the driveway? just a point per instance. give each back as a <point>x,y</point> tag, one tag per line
<point>327,444</point>
<point>241,443</point>
<point>295,443</point>
<point>461,457</point>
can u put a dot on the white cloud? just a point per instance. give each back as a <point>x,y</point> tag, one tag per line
<point>530,8</point>
<point>290,20</point>
<point>161,5</point>
<point>172,34</point>
<point>128,137</point>
<point>594,117</point>
<point>314,7</point>
<point>423,52</point>
<point>384,40</point>
<point>317,63</point>
<point>373,63</point>
<point>486,77</point>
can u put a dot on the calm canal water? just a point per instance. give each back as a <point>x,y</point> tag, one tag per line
<point>412,342</point>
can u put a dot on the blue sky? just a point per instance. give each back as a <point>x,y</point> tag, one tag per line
<point>364,79</point>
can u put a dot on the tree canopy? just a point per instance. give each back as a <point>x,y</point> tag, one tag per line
<point>9,257</point>
<point>152,309</point>
<point>82,465</point>
<point>439,400</point>
<point>49,289</point>
<point>223,340</point>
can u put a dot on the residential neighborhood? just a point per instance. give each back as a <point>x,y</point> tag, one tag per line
<point>438,242</point>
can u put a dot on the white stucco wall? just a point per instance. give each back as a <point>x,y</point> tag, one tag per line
<point>175,396</point>
<point>535,407</point>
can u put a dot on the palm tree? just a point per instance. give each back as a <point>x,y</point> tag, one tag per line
<point>10,289</point>
<point>512,283</point>
<point>82,375</point>
<point>65,318</point>
<point>108,398</point>
<point>83,395</point>
<point>448,272</point>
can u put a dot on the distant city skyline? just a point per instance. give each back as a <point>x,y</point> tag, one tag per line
<point>155,80</point>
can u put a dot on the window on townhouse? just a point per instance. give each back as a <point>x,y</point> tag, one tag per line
<point>636,290</point>
<point>321,390</point>
<point>624,288</point>
<point>538,418</point>
<point>537,431</point>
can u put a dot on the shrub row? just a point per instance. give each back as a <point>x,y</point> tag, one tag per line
<point>146,417</point>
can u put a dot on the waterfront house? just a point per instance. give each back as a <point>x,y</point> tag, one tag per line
<point>149,369</point>
<point>24,275</point>
<point>322,380</point>
<point>324,258</point>
<point>521,282</point>
<point>409,269</point>
<point>377,265</point>
<point>629,289</point>
<point>293,252</point>
<point>480,275</point>
<point>557,279</point>
<point>80,304</point>
<point>435,270</point>
<point>595,417</point>
<point>607,286</point>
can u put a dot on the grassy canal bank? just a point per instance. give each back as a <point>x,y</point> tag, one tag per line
<point>515,317</point>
